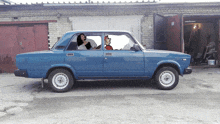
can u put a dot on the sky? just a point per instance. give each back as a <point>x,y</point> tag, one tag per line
<point>77,1</point>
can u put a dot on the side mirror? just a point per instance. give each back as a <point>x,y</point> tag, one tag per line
<point>136,47</point>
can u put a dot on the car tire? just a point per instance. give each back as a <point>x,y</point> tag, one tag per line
<point>166,78</point>
<point>60,80</point>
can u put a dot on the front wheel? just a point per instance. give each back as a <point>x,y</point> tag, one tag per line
<point>60,80</point>
<point>167,78</point>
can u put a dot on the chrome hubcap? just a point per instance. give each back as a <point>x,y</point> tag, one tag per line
<point>60,80</point>
<point>167,78</point>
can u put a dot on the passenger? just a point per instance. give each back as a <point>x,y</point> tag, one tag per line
<point>107,43</point>
<point>82,43</point>
<point>93,43</point>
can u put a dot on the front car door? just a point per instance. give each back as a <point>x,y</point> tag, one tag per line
<point>122,61</point>
<point>86,63</point>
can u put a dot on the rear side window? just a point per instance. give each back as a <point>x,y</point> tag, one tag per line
<point>119,42</point>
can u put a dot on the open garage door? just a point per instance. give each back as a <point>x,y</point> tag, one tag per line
<point>175,33</point>
<point>217,26</point>
<point>160,30</point>
<point>168,33</point>
<point>218,52</point>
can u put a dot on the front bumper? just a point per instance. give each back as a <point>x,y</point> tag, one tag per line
<point>21,73</point>
<point>187,70</point>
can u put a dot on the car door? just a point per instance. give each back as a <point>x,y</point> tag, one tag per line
<point>122,61</point>
<point>86,63</point>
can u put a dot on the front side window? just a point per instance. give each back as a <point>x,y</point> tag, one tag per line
<point>85,41</point>
<point>118,42</point>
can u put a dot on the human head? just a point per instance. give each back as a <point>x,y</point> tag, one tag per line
<point>83,37</point>
<point>107,40</point>
<point>79,39</point>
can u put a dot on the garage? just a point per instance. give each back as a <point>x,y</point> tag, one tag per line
<point>20,37</point>
<point>194,35</point>
<point>201,36</point>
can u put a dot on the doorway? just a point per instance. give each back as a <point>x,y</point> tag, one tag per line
<point>200,38</point>
<point>189,34</point>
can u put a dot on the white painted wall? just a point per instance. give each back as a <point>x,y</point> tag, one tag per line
<point>127,23</point>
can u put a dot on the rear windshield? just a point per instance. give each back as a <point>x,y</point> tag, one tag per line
<point>63,42</point>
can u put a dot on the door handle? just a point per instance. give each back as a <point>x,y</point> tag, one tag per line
<point>108,54</point>
<point>70,54</point>
<point>106,58</point>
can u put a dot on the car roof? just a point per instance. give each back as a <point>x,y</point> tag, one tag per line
<point>98,31</point>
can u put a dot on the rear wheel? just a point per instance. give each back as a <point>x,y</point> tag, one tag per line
<point>60,80</point>
<point>167,78</point>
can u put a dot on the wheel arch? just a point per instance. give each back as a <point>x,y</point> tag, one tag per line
<point>68,68</point>
<point>173,65</point>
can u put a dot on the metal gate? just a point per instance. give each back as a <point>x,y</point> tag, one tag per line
<point>20,38</point>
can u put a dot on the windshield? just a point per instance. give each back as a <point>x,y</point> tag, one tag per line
<point>142,47</point>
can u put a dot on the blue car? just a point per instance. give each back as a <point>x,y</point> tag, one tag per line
<point>102,55</point>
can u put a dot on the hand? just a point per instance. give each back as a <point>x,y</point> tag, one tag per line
<point>98,47</point>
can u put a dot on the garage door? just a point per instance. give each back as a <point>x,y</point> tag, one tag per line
<point>126,23</point>
<point>15,39</point>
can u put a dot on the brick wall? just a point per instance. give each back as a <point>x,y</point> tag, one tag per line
<point>62,14</point>
<point>147,30</point>
<point>56,30</point>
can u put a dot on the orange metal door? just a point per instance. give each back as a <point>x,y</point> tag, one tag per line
<point>218,52</point>
<point>174,33</point>
<point>8,48</point>
<point>16,39</point>
<point>25,39</point>
<point>160,31</point>
<point>218,42</point>
<point>41,37</point>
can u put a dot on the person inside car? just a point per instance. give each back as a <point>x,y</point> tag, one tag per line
<point>107,43</point>
<point>84,43</point>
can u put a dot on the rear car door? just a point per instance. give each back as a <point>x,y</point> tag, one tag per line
<point>122,61</point>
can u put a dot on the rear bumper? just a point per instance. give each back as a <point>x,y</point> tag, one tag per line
<point>187,70</point>
<point>21,73</point>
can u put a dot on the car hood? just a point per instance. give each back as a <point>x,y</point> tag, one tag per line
<point>163,51</point>
<point>166,53</point>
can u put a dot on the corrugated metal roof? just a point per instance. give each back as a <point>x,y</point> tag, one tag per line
<point>102,3</point>
<point>80,3</point>
<point>5,1</point>
<point>91,3</point>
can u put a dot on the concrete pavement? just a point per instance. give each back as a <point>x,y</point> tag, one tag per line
<point>16,93</point>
